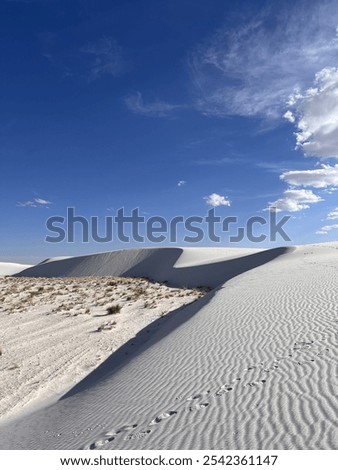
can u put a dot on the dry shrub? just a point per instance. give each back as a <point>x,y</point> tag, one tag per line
<point>113,309</point>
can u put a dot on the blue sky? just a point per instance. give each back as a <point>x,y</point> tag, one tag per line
<point>108,104</point>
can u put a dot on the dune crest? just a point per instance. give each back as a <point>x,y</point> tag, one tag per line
<point>189,267</point>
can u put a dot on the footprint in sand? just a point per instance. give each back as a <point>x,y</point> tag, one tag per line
<point>305,353</point>
<point>198,406</point>
<point>254,384</point>
<point>103,440</point>
<point>137,435</point>
<point>161,417</point>
<point>301,347</point>
<point>198,395</point>
<point>107,437</point>
<point>226,388</point>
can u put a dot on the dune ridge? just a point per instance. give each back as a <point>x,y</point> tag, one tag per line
<point>188,267</point>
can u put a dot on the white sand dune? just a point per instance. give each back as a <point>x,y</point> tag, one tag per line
<point>252,365</point>
<point>188,267</point>
<point>8,269</point>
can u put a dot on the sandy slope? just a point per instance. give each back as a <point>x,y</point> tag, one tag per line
<point>253,365</point>
<point>188,267</point>
<point>55,331</point>
<point>8,269</point>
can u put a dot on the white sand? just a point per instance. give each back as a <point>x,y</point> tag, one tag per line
<point>252,365</point>
<point>8,269</point>
<point>53,332</point>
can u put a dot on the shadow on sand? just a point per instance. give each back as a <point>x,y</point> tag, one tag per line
<point>153,333</point>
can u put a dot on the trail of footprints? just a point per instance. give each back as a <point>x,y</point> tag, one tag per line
<point>302,352</point>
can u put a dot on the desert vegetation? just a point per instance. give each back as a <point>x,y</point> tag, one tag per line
<point>45,323</point>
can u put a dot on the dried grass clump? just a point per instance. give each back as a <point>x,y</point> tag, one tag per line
<point>113,309</point>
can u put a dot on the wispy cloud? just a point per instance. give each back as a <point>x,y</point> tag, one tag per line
<point>105,58</point>
<point>136,104</point>
<point>333,215</point>
<point>276,167</point>
<point>42,202</point>
<point>181,183</point>
<point>219,161</point>
<point>215,200</point>
<point>324,177</point>
<point>326,229</point>
<point>294,200</point>
<point>251,70</point>
<point>36,202</point>
<point>90,61</point>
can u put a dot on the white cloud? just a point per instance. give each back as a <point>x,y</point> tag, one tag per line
<point>36,202</point>
<point>294,200</point>
<point>330,190</point>
<point>106,58</point>
<point>326,229</point>
<point>323,177</point>
<point>333,214</point>
<point>253,68</point>
<point>41,201</point>
<point>289,116</point>
<point>315,115</point>
<point>316,112</point>
<point>136,104</point>
<point>26,204</point>
<point>216,200</point>
<point>181,183</point>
